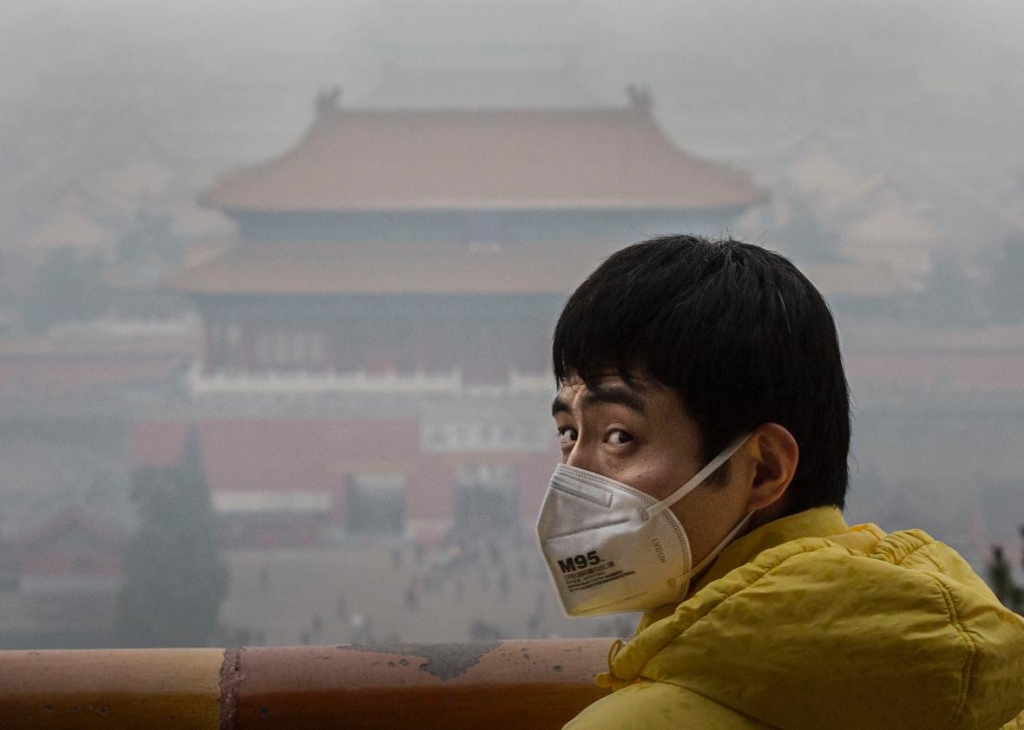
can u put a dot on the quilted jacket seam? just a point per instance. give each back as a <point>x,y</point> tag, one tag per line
<point>967,672</point>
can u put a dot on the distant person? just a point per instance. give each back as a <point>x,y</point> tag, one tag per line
<point>704,424</point>
<point>410,597</point>
<point>357,629</point>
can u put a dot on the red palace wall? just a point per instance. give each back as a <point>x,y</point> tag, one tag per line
<point>283,456</point>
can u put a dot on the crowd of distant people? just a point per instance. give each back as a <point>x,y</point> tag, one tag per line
<point>494,562</point>
<point>499,564</point>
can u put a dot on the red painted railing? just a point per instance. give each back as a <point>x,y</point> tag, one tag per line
<point>508,684</point>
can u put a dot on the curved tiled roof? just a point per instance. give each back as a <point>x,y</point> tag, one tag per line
<point>308,268</point>
<point>359,159</point>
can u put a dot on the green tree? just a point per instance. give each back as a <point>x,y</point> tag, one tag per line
<point>66,288</point>
<point>150,235</point>
<point>175,579</point>
<point>1000,577</point>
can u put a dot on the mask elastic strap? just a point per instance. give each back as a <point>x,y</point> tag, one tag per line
<point>698,478</point>
<point>721,546</point>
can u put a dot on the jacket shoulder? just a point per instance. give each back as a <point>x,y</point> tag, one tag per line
<point>648,705</point>
<point>917,550</point>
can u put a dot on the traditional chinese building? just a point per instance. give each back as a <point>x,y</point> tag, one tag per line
<point>59,582</point>
<point>407,267</point>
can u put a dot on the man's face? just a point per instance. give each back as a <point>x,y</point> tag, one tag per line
<point>641,436</point>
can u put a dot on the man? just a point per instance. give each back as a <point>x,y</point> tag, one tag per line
<point>704,423</point>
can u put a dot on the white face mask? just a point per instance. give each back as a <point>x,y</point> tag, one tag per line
<point>613,549</point>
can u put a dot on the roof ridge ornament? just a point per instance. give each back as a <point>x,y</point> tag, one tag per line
<point>328,101</point>
<point>640,97</point>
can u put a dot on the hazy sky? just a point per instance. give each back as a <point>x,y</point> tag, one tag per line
<point>233,81</point>
<point>322,42</point>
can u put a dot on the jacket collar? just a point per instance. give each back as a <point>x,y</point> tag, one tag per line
<point>815,522</point>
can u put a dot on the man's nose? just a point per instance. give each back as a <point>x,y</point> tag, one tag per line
<point>580,457</point>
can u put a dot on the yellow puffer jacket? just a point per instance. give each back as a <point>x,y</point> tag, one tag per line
<point>808,623</point>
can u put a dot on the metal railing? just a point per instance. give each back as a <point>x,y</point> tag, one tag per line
<point>507,684</point>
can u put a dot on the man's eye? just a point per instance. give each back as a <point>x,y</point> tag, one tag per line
<point>567,435</point>
<point>619,437</point>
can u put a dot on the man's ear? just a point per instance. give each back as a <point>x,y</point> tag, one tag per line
<point>775,454</point>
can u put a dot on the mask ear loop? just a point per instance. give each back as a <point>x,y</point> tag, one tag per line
<point>698,478</point>
<point>733,534</point>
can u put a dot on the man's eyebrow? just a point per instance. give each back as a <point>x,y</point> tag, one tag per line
<point>615,394</point>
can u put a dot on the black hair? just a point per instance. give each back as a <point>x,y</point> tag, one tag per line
<point>736,331</point>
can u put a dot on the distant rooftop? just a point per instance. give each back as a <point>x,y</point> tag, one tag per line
<point>484,159</point>
<point>330,268</point>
